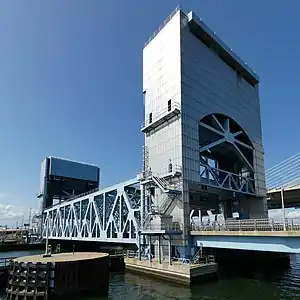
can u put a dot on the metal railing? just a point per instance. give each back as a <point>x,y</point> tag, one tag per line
<point>177,227</point>
<point>205,259</point>
<point>5,262</point>
<point>161,114</point>
<point>249,225</point>
<point>162,173</point>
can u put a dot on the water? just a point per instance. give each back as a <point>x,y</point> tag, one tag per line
<point>265,284</point>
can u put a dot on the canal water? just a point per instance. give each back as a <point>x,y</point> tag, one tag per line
<point>236,283</point>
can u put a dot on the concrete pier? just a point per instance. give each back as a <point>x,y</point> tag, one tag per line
<point>58,276</point>
<point>185,274</point>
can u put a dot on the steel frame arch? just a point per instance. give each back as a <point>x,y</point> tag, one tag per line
<point>108,215</point>
<point>223,133</point>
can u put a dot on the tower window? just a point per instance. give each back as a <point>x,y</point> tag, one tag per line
<point>169,105</point>
<point>150,118</point>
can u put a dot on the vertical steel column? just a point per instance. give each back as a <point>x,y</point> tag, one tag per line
<point>283,208</point>
<point>139,253</point>
<point>142,208</point>
<point>170,261</point>
<point>149,248</point>
<point>159,256</point>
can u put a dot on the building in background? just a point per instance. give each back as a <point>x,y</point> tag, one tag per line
<point>62,179</point>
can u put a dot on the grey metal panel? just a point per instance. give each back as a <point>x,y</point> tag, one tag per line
<point>209,86</point>
<point>199,28</point>
<point>72,169</point>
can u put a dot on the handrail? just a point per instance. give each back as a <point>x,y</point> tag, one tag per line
<point>249,225</point>
<point>162,173</point>
<point>161,114</point>
<point>177,227</point>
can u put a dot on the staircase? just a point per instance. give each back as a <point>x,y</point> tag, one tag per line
<point>166,203</point>
<point>169,191</point>
<point>161,183</point>
<point>146,221</point>
<point>197,256</point>
<point>164,185</point>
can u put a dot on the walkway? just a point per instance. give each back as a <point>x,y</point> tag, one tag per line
<point>257,235</point>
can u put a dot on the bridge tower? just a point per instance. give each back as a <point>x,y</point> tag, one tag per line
<point>202,128</point>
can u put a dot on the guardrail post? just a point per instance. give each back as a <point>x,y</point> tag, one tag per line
<point>255,228</point>
<point>240,225</point>
<point>292,224</point>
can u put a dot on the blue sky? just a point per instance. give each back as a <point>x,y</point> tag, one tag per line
<point>71,81</point>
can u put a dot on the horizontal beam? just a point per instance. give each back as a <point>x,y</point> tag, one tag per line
<point>94,239</point>
<point>254,243</point>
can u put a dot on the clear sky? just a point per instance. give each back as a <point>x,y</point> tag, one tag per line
<point>71,81</point>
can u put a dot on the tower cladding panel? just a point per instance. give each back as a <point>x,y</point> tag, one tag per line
<point>217,136</point>
<point>219,90</point>
<point>62,179</point>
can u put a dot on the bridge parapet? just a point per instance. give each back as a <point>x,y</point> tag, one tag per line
<point>249,225</point>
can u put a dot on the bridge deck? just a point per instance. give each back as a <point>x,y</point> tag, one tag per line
<point>254,234</point>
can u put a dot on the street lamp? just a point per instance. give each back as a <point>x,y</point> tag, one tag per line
<point>283,208</point>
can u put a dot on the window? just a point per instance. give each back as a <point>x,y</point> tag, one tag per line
<point>169,105</point>
<point>150,118</point>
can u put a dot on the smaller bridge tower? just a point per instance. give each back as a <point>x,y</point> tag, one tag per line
<point>62,179</point>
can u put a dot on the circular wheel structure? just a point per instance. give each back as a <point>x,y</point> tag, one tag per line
<point>226,155</point>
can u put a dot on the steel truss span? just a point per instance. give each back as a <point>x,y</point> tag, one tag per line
<point>108,215</point>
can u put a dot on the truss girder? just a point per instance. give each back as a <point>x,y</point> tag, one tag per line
<point>225,180</point>
<point>109,215</point>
